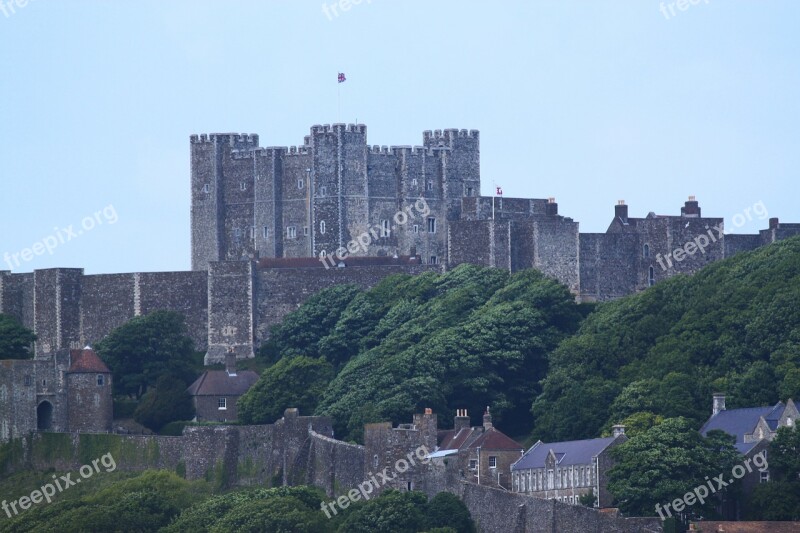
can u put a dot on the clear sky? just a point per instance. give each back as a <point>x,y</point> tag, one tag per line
<point>586,101</point>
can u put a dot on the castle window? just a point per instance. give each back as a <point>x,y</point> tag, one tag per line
<point>266,232</point>
<point>375,461</point>
<point>431,225</point>
<point>434,260</point>
<point>410,486</point>
<point>322,227</point>
<point>323,190</point>
<point>492,461</point>
<point>237,232</point>
<point>651,278</point>
<point>291,232</point>
<point>416,228</point>
<point>414,182</point>
<point>44,383</point>
<point>305,231</point>
<point>429,186</point>
<point>323,254</point>
<point>28,381</point>
<point>206,188</point>
<point>646,250</point>
<point>101,380</point>
<point>242,186</point>
<point>252,232</point>
<point>473,464</point>
<point>300,184</point>
<point>222,404</point>
<point>385,231</point>
<point>469,191</point>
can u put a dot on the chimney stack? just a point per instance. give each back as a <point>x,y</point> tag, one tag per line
<point>487,419</point>
<point>461,420</point>
<point>621,211</point>
<point>230,362</point>
<point>618,429</point>
<point>551,208</point>
<point>691,208</point>
<point>719,403</point>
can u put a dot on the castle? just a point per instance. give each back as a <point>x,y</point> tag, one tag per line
<point>272,226</point>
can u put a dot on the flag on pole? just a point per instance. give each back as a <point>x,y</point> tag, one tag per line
<point>342,79</point>
<point>499,191</point>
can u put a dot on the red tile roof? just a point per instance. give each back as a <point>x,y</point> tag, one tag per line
<point>86,361</point>
<point>466,438</point>
<point>493,439</point>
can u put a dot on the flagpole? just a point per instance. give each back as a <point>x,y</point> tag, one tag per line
<point>494,194</point>
<point>338,100</point>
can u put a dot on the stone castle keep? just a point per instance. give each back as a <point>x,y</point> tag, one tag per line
<point>261,219</point>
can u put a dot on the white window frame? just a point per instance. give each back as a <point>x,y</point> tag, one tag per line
<point>222,404</point>
<point>291,232</point>
<point>385,229</point>
<point>322,227</point>
<point>431,224</point>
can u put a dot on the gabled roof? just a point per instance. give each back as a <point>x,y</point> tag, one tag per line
<point>220,383</point>
<point>470,438</point>
<point>575,452</point>
<point>738,422</point>
<point>492,439</point>
<point>456,440</point>
<point>86,361</point>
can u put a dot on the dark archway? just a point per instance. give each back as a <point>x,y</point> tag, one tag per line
<point>44,416</point>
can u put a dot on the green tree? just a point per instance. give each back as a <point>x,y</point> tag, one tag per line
<point>16,341</point>
<point>666,462</point>
<point>589,499</point>
<point>145,348</point>
<point>291,382</point>
<point>300,331</point>
<point>167,402</point>
<point>447,510</point>
<point>398,512</point>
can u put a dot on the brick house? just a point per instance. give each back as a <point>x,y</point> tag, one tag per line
<point>215,393</point>
<point>565,471</point>
<point>485,454</point>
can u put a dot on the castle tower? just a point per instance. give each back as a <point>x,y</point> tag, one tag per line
<point>89,393</point>
<point>57,310</point>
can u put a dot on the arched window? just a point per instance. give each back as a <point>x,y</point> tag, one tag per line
<point>322,227</point>
<point>651,278</point>
<point>646,250</point>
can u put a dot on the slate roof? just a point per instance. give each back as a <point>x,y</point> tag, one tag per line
<point>220,383</point>
<point>86,361</point>
<point>574,452</point>
<point>737,422</point>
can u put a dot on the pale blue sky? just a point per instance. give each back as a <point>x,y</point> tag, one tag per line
<point>588,102</point>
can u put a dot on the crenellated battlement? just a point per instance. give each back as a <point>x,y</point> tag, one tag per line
<point>332,128</point>
<point>448,135</point>
<point>249,139</point>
